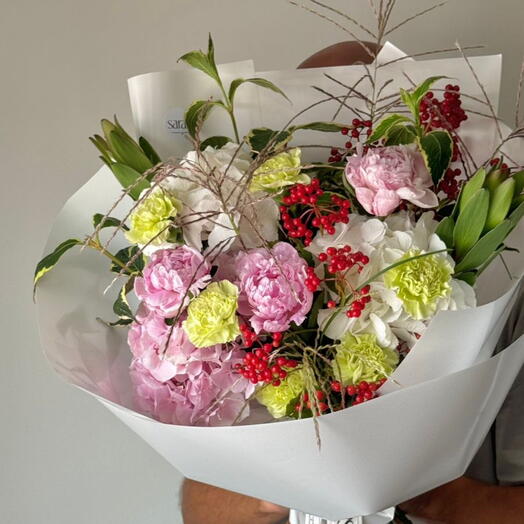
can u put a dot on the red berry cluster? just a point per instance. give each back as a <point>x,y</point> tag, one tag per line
<point>355,310</point>
<point>355,132</point>
<point>499,164</point>
<point>360,392</point>
<point>312,281</point>
<point>305,402</point>
<point>258,366</point>
<point>443,114</point>
<point>320,216</point>
<point>342,259</point>
<point>449,183</point>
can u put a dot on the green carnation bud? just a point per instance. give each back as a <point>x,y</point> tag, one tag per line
<point>277,398</point>
<point>359,358</point>
<point>152,217</point>
<point>212,315</point>
<point>280,171</point>
<point>420,283</point>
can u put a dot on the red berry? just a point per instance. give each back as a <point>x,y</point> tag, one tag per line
<point>351,390</point>
<point>344,130</point>
<point>336,386</point>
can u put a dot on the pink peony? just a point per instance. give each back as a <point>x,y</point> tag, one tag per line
<point>169,278</point>
<point>216,396</point>
<point>272,289</point>
<point>385,176</point>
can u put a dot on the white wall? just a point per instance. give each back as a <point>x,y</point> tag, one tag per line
<point>64,65</point>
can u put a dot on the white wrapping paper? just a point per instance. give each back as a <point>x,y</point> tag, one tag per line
<point>372,456</point>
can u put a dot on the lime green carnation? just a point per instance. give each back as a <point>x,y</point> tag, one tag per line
<point>421,283</point>
<point>212,316</point>
<point>277,172</point>
<point>359,358</point>
<point>277,398</point>
<point>151,219</point>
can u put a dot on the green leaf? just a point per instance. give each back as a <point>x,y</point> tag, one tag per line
<point>516,215</point>
<point>128,177</point>
<point>445,231</point>
<point>519,182</point>
<point>325,127</point>
<point>500,203</point>
<point>475,183</point>
<point>202,62</point>
<point>102,146</point>
<point>409,102</point>
<point>107,128</point>
<point>420,91</point>
<point>491,258</point>
<point>470,222</point>
<point>494,179</point>
<point>484,248</point>
<point>197,113</point>
<point>149,151</point>
<point>121,306</point>
<point>261,82</point>
<point>215,141</point>
<point>401,135</point>
<point>127,254</point>
<point>436,148</point>
<point>470,277</point>
<point>385,126</point>
<point>50,260</point>
<point>128,152</point>
<point>108,222</point>
<point>260,137</point>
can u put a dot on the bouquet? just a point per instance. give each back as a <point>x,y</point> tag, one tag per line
<point>331,284</point>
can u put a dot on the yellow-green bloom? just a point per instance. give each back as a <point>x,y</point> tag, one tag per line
<point>277,172</point>
<point>277,398</point>
<point>212,316</point>
<point>421,283</point>
<point>359,358</point>
<point>152,216</point>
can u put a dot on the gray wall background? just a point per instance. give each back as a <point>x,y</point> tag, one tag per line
<point>64,65</point>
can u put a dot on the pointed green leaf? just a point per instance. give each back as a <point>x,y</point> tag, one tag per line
<point>445,231</point>
<point>197,113</point>
<point>500,203</point>
<point>409,102</point>
<point>475,183</point>
<point>260,137</point>
<point>516,215</point>
<point>420,91</point>
<point>128,177</point>
<point>484,248</point>
<point>121,306</point>
<point>470,277</point>
<point>215,142</point>
<point>50,260</point>
<point>261,82</point>
<point>107,127</point>
<point>128,152</point>
<point>494,179</point>
<point>519,182</point>
<point>385,126</point>
<point>470,222</point>
<point>401,135</point>
<point>202,62</point>
<point>127,254</point>
<point>149,151</point>
<point>108,222</point>
<point>324,127</point>
<point>436,148</point>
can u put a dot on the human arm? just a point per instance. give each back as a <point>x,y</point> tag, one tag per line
<point>464,500</point>
<point>202,504</point>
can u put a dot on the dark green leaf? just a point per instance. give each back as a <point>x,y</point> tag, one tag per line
<point>420,91</point>
<point>445,231</point>
<point>149,151</point>
<point>197,113</point>
<point>519,182</point>
<point>484,248</point>
<point>470,222</point>
<point>313,314</point>
<point>385,126</point>
<point>470,277</point>
<point>325,127</point>
<point>125,256</point>
<point>121,305</point>
<point>49,261</point>
<point>128,177</point>
<point>516,215</point>
<point>215,141</point>
<point>108,222</point>
<point>401,135</point>
<point>102,146</point>
<point>260,137</point>
<point>436,148</point>
<point>261,82</point>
